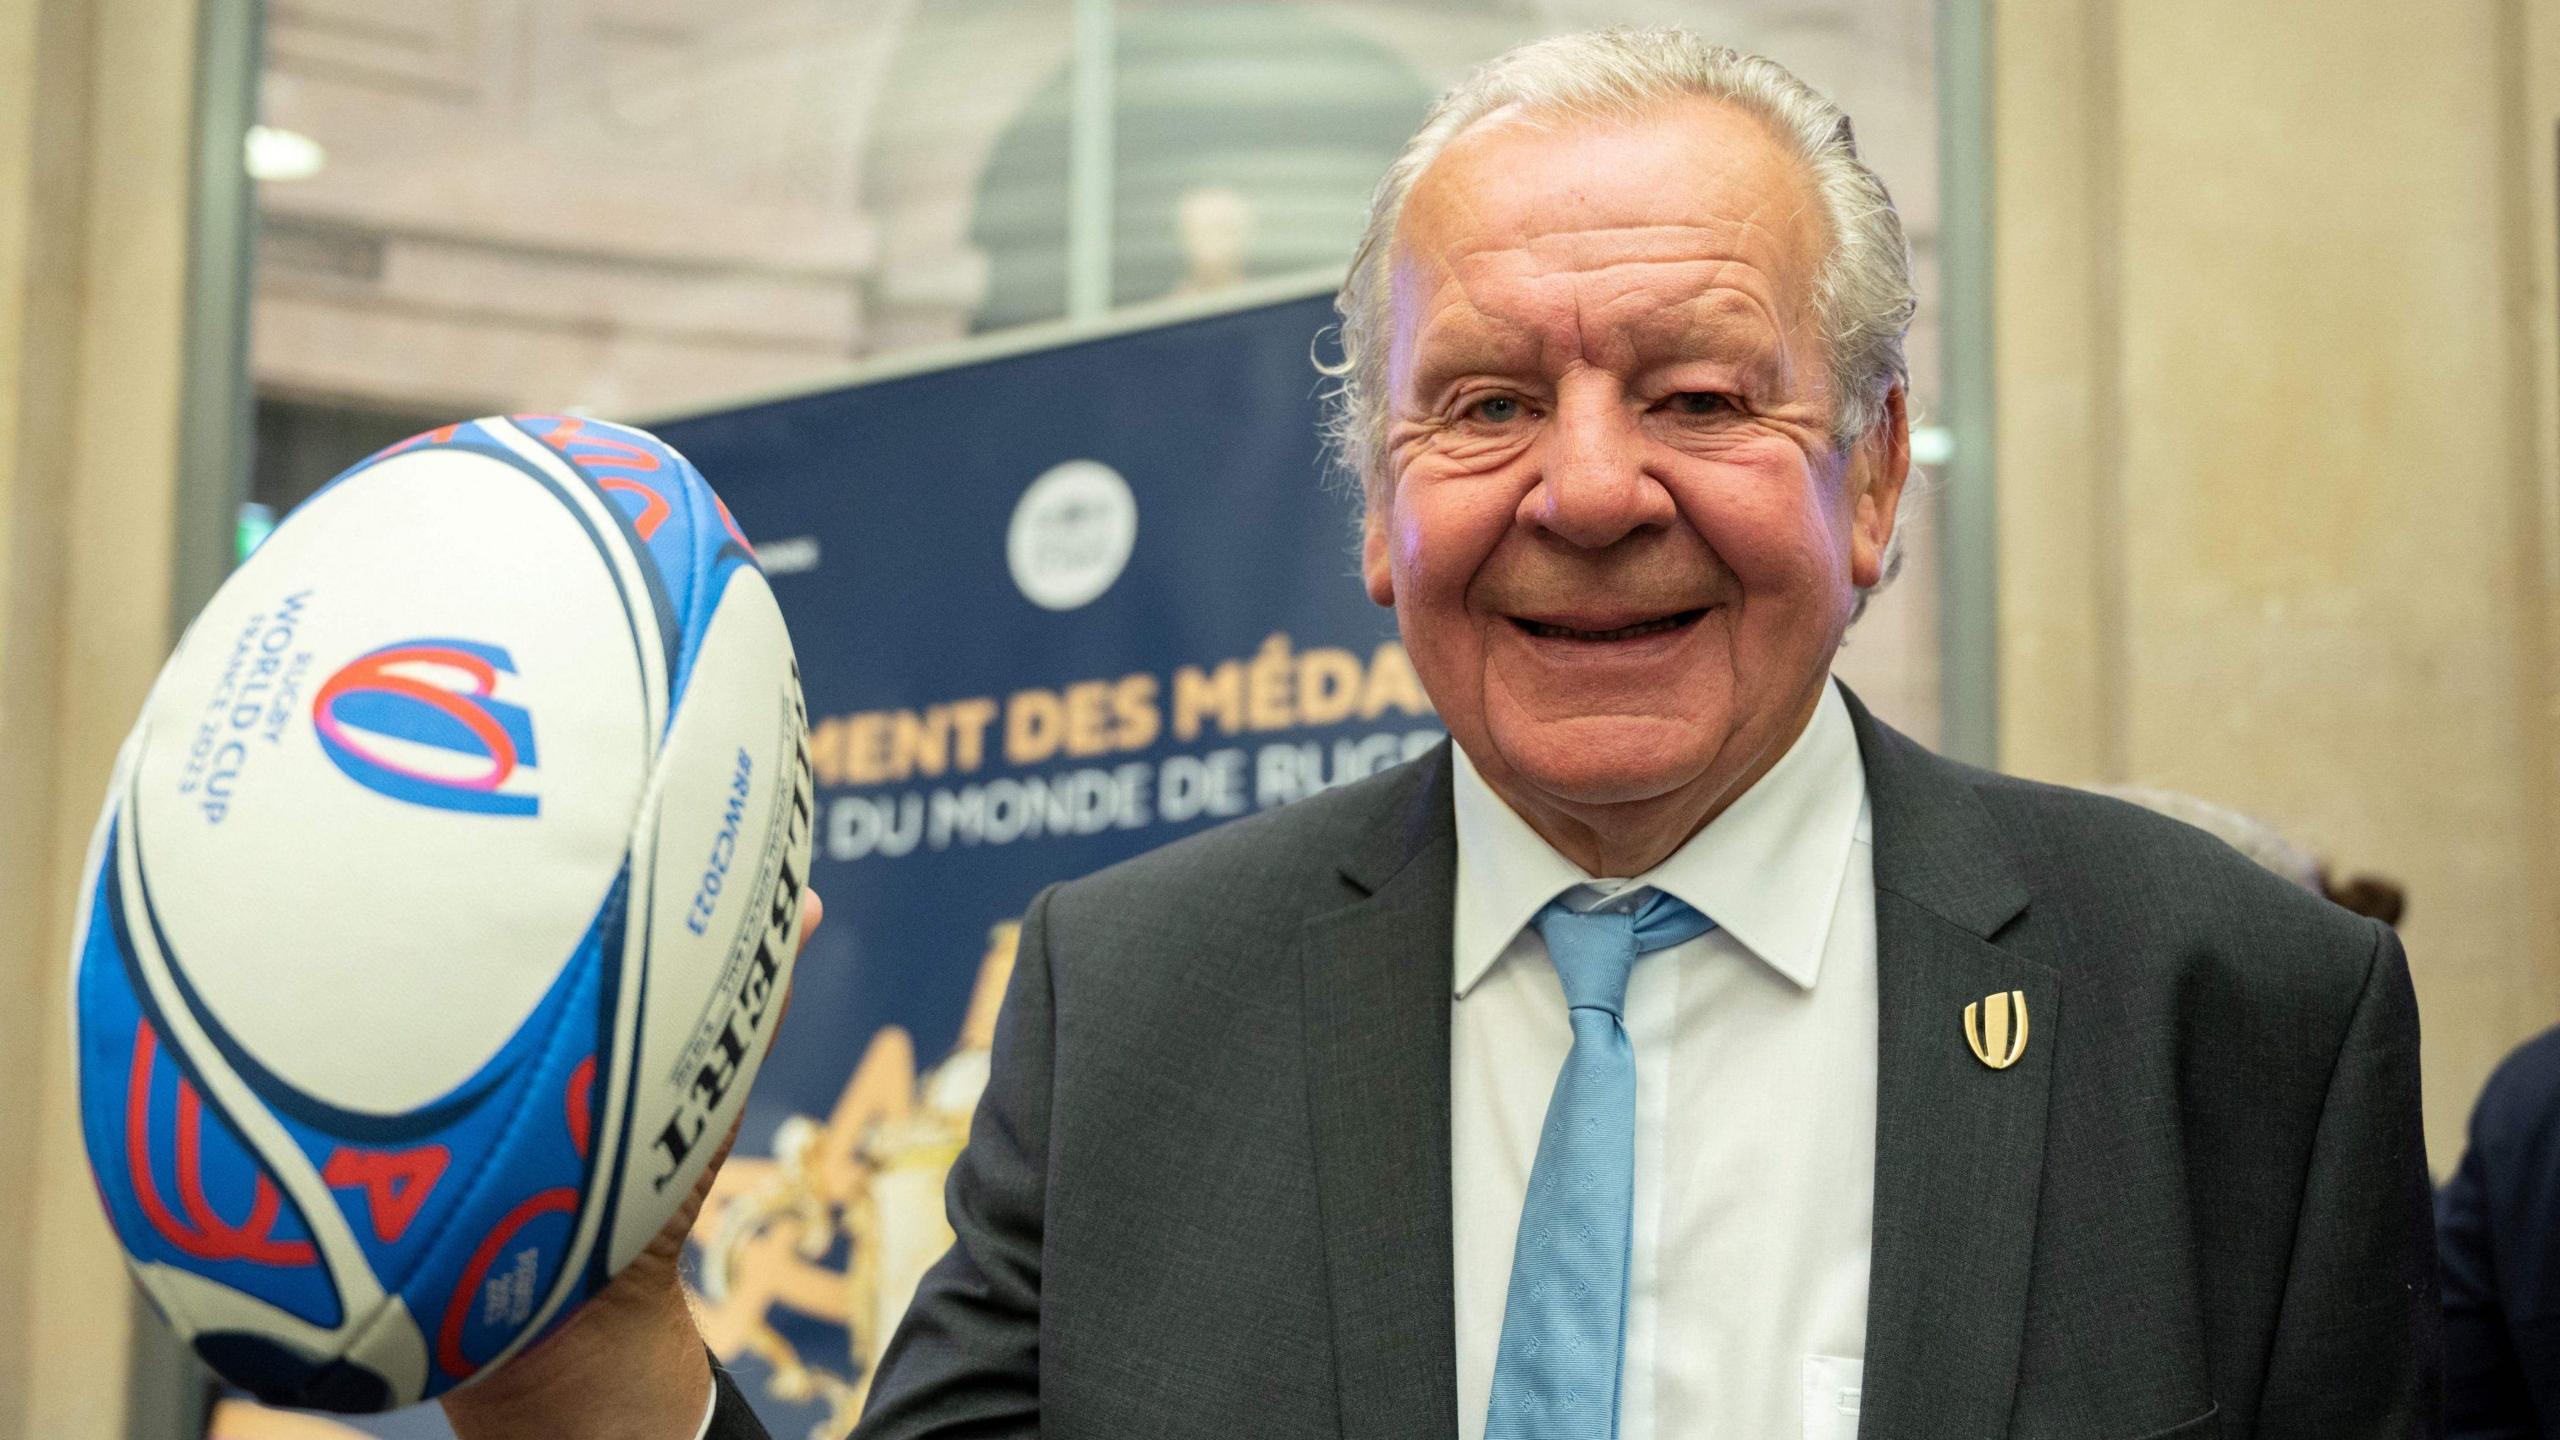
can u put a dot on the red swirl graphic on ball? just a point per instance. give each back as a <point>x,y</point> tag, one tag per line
<point>457,1311</point>
<point>203,1235</point>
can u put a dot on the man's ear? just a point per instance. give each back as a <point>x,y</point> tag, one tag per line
<point>1879,465</point>
<point>1377,569</point>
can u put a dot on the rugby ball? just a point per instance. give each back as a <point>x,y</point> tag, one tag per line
<point>441,909</point>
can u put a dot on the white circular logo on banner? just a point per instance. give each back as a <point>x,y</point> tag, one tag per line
<point>1071,534</point>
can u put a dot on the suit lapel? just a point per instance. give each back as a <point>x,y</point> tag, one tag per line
<point>1376,980</point>
<point>1959,1144</point>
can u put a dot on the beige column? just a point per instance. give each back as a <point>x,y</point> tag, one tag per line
<point>2279,522</point>
<point>95,142</point>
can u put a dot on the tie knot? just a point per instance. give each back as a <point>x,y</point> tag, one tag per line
<point>1595,952</point>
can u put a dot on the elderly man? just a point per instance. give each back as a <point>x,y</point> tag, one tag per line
<point>1683,1053</point>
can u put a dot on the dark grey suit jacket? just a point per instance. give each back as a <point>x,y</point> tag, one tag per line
<point>1208,1191</point>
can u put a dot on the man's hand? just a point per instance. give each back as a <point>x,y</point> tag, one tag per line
<point>628,1364</point>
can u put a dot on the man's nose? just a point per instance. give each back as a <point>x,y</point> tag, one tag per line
<point>1593,489</point>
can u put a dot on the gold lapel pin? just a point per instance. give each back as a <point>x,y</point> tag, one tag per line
<point>1986,1028</point>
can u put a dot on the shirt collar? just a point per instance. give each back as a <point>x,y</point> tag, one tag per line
<point>1767,870</point>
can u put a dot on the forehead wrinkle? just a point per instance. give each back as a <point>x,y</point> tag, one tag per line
<point>1731,302</point>
<point>1564,248</point>
<point>1767,279</point>
<point>1720,321</point>
<point>1423,319</point>
<point>1725,307</point>
<point>1480,250</point>
<point>1451,332</point>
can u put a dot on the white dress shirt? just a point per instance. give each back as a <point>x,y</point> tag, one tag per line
<point>1755,1048</point>
<point>710,1408</point>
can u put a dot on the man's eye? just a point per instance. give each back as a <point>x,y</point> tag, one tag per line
<point>1698,402</point>
<point>1497,409</point>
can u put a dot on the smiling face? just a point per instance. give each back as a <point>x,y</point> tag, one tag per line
<point>1620,542</point>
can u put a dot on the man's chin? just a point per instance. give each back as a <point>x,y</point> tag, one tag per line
<point>1595,763</point>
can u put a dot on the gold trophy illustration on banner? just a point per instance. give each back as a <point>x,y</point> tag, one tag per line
<point>871,1173</point>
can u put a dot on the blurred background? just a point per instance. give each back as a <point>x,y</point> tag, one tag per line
<point>2237,369</point>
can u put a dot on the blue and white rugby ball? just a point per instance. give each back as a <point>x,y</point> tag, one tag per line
<point>442,908</point>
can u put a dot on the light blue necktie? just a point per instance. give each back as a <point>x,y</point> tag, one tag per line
<point>1564,1324</point>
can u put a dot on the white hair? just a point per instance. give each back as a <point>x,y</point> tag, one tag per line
<point>1862,301</point>
<point>2251,837</point>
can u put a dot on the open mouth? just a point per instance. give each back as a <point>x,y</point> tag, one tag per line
<point>1664,625</point>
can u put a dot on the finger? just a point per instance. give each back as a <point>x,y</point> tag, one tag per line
<point>812,910</point>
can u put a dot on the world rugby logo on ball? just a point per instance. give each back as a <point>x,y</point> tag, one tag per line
<point>406,1015</point>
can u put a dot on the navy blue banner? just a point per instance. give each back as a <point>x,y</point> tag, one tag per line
<point>1052,611</point>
